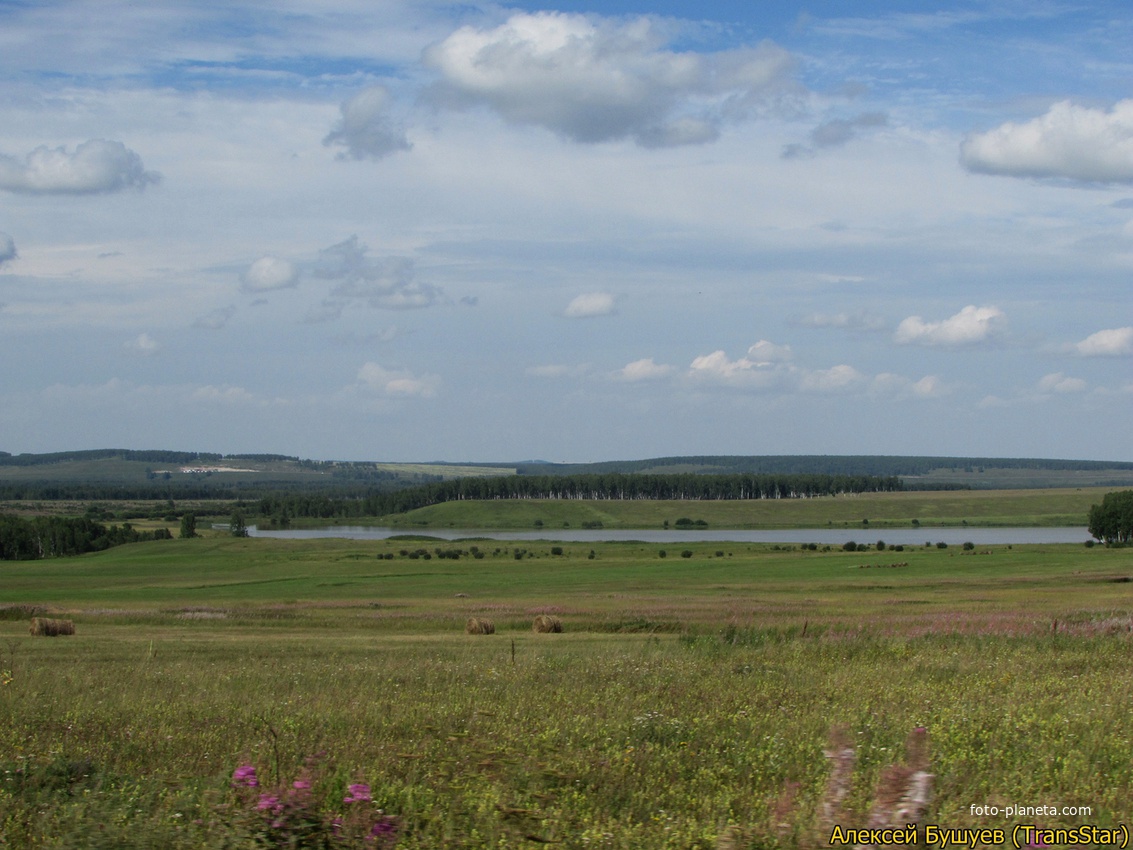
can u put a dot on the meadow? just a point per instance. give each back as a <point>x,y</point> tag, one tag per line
<point>687,703</point>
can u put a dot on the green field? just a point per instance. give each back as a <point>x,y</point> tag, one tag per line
<point>686,704</point>
<point>1059,507</point>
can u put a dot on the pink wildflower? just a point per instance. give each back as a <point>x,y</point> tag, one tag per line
<point>245,777</point>
<point>359,793</point>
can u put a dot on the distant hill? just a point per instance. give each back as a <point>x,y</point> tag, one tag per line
<point>915,471</point>
<point>131,473</point>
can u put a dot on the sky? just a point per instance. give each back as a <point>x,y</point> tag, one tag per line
<point>403,230</point>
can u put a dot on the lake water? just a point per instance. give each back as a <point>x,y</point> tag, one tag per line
<point>823,536</point>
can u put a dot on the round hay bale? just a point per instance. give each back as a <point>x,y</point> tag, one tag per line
<point>479,626</point>
<point>546,624</point>
<point>46,627</point>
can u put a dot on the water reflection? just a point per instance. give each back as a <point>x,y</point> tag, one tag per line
<point>822,536</point>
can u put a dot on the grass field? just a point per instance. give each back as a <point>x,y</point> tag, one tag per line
<point>686,704</point>
<point>1060,507</point>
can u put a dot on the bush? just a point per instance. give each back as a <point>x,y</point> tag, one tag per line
<point>968,546</point>
<point>686,553</point>
<point>849,546</point>
<point>880,545</point>
<point>941,545</point>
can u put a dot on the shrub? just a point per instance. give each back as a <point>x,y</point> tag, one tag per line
<point>941,545</point>
<point>556,550</point>
<point>849,546</point>
<point>968,546</point>
<point>686,553</point>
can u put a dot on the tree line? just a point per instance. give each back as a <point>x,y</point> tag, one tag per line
<point>59,537</point>
<point>1112,520</point>
<point>681,486</point>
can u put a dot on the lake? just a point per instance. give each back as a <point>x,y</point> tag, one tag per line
<point>824,536</point>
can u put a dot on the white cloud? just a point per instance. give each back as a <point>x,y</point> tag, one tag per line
<point>594,79</point>
<point>765,352</point>
<point>717,368</point>
<point>888,383</point>
<point>590,304</point>
<point>144,345</point>
<point>643,370</point>
<point>971,325</point>
<point>364,128</point>
<point>836,379</point>
<point>1056,382</point>
<point>397,383</point>
<point>98,165</point>
<point>7,248</point>
<point>388,284</point>
<point>1069,141</point>
<point>1114,342</point>
<point>268,273</point>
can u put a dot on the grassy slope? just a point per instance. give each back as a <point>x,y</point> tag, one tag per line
<point>950,507</point>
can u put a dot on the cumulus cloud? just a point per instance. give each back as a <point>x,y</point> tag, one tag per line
<point>365,130</point>
<point>590,304</point>
<point>1114,342</point>
<point>1056,382</point>
<point>7,248</point>
<point>1069,141</point>
<point>888,384</point>
<point>389,284</point>
<point>397,383</point>
<point>764,353</point>
<point>268,273</point>
<point>835,133</point>
<point>835,379</point>
<point>594,79</point>
<point>971,325</point>
<point>144,345</point>
<point>643,370</point>
<point>96,166</point>
<point>743,372</point>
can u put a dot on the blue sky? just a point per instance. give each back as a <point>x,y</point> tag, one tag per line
<point>583,231</point>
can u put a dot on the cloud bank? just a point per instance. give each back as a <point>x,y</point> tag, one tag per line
<point>1069,141</point>
<point>97,166</point>
<point>397,383</point>
<point>593,79</point>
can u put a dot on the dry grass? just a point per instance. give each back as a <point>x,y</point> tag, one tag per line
<point>479,626</point>
<point>46,627</point>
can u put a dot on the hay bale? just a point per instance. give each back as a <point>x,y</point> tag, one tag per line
<point>46,627</point>
<point>479,626</point>
<point>546,624</point>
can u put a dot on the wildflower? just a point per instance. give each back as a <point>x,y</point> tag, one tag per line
<point>245,777</point>
<point>301,785</point>
<point>359,793</point>
<point>268,802</point>
<point>384,830</point>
